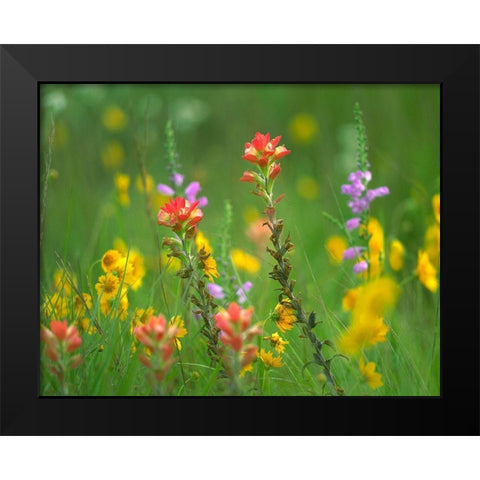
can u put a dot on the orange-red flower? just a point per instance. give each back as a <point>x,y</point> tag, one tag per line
<point>159,337</point>
<point>60,338</point>
<point>261,150</point>
<point>275,169</point>
<point>234,324</point>
<point>248,177</point>
<point>179,214</point>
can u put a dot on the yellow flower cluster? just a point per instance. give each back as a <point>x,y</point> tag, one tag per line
<point>368,305</point>
<point>376,249</point>
<point>277,342</point>
<point>373,378</point>
<point>284,315</point>
<point>335,246</point>
<point>122,271</point>
<point>397,252</point>
<point>429,257</point>
<point>269,359</point>
<point>208,262</point>
<point>64,302</point>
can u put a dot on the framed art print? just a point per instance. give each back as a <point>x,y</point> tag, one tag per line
<point>233,239</point>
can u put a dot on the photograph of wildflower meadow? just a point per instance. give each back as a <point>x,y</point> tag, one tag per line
<point>239,239</point>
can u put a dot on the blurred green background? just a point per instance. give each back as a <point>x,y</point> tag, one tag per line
<point>212,123</point>
<point>97,128</point>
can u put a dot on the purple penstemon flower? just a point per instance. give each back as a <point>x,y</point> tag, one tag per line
<point>352,252</point>
<point>242,291</point>
<point>357,190</point>
<point>360,266</point>
<point>378,192</point>
<point>191,193</point>
<point>177,179</point>
<point>165,189</point>
<point>353,223</point>
<point>216,291</point>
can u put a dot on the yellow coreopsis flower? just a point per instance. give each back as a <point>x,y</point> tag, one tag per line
<point>114,118</point>
<point>395,258</point>
<point>375,298</point>
<point>350,298</point>
<point>107,285</point>
<point>84,324</point>
<point>137,272</point>
<point>277,342</point>
<point>107,303</point>
<point>367,327</point>
<point>210,267</point>
<point>208,262</point>
<point>363,333</point>
<point>201,241</point>
<point>124,270</point>
<point>436,206</point>
<point>244,261</point>
<point>246,368</point>
<point>110,260</point>
<point>336,245</point>
<point>284,315</point>
<point>269,360</point>
<point>375,248</point>
<point>112,155</point>
<point>426,272</point>
<point>179,324</point>
<point>374,379</point>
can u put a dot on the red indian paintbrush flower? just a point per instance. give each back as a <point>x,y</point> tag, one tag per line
<point>179,214</point>
<point>60,332</point>
<point>261,150</point>
<point>159,339</point>
<point>61,339</point>
<point>234,323</point>
<point>248,177</point>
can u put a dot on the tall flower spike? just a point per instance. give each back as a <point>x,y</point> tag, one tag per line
<point>265,152</point>
<point>361,197</point>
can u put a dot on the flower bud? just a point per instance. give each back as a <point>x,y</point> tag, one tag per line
<point>248,177</point>
<point>275,169</point>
